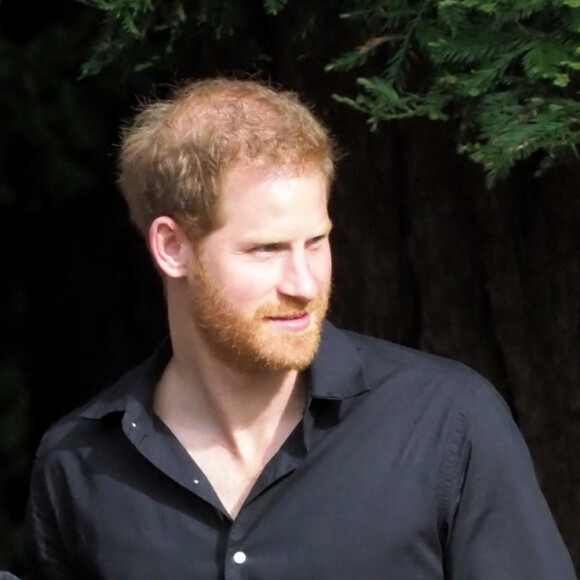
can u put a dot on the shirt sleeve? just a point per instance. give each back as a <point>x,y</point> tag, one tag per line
<point>44,551</point>
<point>499,523</point>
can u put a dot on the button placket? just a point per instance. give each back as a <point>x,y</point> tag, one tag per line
<point>237,556</point>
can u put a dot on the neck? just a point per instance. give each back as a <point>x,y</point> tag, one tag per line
<point>235,406</point>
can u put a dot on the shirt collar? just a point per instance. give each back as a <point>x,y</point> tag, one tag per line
<point>335,373</point>
<point>133,392</point>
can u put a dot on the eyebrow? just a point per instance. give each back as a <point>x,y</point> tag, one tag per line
<point>324,232</point>
<point>272,241</point>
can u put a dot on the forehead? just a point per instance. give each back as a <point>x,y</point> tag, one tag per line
<point>265,199</point>
<point>257,183</point>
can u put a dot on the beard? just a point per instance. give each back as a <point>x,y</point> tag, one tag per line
<point>253,343</point>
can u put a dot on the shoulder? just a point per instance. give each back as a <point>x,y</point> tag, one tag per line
<point>444,396</point>
<point>438,385</point>
<point>413,378</point>
<point>73,430</point>
<point>130,395</point>
<point>383,359</point>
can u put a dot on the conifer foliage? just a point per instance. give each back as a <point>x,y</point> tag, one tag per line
<point>507,72</point>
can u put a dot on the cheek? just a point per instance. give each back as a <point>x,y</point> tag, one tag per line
<point>323,270</point>
<point>248,286</point>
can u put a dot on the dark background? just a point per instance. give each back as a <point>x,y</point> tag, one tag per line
<point>425,254</point>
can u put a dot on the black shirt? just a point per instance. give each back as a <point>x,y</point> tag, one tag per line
<point>405,466</point>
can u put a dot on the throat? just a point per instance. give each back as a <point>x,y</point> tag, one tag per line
<point>230,433</point>
<point>232,475</point>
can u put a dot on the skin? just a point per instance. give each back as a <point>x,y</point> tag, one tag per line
<point>244,306</point>
<point>265,274</point>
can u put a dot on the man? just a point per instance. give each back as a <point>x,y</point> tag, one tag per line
<point>259,441</point>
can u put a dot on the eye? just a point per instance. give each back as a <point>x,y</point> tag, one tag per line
<point>266,248</point>
<point>317,240</point>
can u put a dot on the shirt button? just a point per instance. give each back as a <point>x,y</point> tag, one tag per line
<point>239,557</point>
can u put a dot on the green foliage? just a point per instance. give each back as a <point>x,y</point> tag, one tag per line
<point>274,6</point>
<point>129,23</point>
<point>506,71</point>
<point>146,34</point>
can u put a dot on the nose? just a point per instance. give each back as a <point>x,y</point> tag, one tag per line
<point>297,279</point>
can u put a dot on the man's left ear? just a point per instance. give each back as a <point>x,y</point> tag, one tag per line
<point>169,246</point>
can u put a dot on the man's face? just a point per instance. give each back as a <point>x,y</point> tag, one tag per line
<point>261,288</point>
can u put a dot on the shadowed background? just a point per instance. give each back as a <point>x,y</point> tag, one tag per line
<point>424,254</point>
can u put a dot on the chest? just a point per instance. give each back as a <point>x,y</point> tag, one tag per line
<point>230,478</point>
<point>348,507</point>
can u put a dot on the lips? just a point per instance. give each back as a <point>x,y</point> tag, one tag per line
<point>299,321</point>
<point>289,316</point>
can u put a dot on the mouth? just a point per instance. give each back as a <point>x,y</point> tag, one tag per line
<point>294,322</point>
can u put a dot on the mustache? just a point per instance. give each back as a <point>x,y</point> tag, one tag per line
<point>289,307</point>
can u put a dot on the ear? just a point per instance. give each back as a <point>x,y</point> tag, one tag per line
<point>170,247</point>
